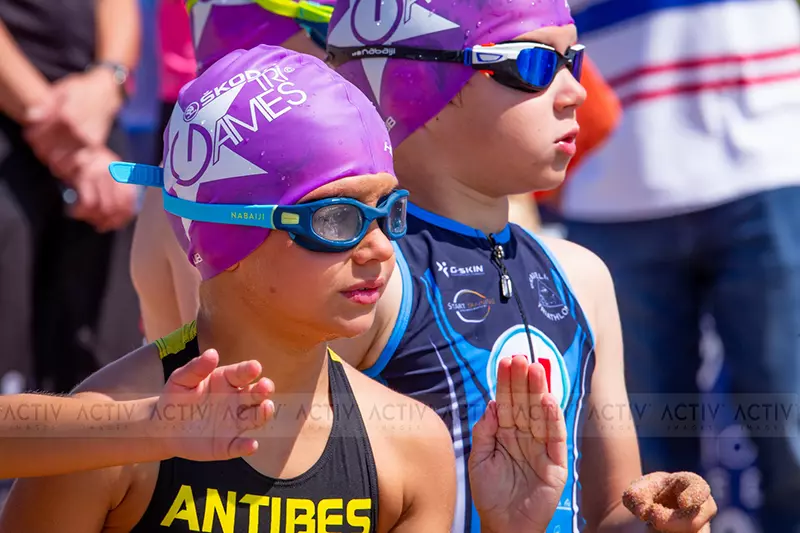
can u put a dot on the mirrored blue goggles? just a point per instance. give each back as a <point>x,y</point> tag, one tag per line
<point>524,65</point>
<point>327,225</point>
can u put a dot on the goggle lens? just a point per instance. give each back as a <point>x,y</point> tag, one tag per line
<point>538,66</point>
<point>338,223</point>
<point>396,221</point>
<point>344,222</point>
<point>577,64</point>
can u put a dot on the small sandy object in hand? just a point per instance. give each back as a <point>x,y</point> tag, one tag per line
<point>659,498</point>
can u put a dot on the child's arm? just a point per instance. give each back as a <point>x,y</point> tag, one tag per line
<point>43,435</point>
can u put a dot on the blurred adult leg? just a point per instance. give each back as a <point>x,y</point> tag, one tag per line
<point>75,271</point>
<point>16,258</point>
<point>753,248</point>
<point>658,295</point>
<point>26,205</point>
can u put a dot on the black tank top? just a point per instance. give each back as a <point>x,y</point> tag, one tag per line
<point>339,494</point>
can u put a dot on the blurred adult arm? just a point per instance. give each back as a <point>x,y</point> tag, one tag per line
<point>22,86</point>
<point>87,103</point>
<point>119,32</point>
<point>118,43</point>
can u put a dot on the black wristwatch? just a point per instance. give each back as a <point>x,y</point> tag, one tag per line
<point>119,71</point>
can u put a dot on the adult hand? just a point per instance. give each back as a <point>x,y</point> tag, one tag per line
<point>101,201</point>
<point>79,114</point>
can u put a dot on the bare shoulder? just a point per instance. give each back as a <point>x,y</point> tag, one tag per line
<point>412,447</point>
<point>72,503</point>
<point>586,273</point>
<point>137,374</point>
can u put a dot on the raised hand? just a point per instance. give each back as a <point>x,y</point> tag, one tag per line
<point>518,463</point>
<point>205,410</point>
<point>672,503</point>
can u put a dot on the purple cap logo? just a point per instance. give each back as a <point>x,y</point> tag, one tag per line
<point>191,111</point>
<point>385,22</point>
<point>204,144</point>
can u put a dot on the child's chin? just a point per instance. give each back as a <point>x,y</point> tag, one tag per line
<point>355,326</point>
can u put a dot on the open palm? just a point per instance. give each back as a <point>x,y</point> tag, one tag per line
<point>518,463</point>
<point>205,409</point>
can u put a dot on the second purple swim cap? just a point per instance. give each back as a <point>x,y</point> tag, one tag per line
<point>263,126</point>
<point>222,26</point>
<point>410,93</point>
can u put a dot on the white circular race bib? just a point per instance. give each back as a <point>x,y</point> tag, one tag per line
<point>514,342</point>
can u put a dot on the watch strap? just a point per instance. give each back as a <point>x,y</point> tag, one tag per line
<point>119,71</point>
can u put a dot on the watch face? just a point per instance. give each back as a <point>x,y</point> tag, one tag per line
<point>120,72</point>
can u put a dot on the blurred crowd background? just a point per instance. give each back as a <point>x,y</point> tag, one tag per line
<point>692,198</point>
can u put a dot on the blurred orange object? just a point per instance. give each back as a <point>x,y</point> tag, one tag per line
<point>598,117</point>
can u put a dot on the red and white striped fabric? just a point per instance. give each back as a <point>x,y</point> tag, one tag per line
<point>711,105</point>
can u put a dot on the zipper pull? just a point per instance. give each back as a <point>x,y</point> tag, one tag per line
<point>506,288</point>
<point>498,254</point>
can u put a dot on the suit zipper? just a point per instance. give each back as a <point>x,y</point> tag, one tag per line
<point>507,287</point>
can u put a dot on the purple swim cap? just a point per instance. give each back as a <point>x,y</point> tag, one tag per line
<point>263,126</point>
<point>409,93</point>
<point>222,26</point>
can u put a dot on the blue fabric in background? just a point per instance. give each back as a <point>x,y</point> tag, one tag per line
<point>728,454</point>
<point>140,115</point>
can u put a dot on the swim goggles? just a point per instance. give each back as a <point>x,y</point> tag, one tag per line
<point>328,225</point>
<point>311,16</point>
<point>524,65</point>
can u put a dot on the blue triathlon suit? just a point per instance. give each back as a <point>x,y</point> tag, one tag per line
<point>456,323</point>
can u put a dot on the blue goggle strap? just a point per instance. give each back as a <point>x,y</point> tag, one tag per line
<point>260,216</point>
<point>240,215</point>
<point>137,174</point>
